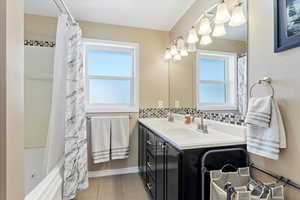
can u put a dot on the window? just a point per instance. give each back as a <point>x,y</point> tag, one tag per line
<point>216,80</point>
<point>111,73</point>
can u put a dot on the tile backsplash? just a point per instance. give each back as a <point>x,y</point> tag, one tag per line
<point>39,43</point>
<point>154,112</point>
<point>227,117</point>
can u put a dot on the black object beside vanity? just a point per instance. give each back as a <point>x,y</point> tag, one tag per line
<point>169,173</point>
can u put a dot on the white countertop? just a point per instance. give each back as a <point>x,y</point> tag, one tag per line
<point>184,136</point>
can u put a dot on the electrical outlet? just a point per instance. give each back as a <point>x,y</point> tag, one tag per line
<point>177,104</point>
<point>160,104</point>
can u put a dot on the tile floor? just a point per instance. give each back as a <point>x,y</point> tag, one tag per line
<point>122,187</point>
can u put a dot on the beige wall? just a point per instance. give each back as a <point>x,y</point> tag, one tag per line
<point>153,68</point>
<point>11,100</point>
<point>3,99</point>
<point>284,70</point>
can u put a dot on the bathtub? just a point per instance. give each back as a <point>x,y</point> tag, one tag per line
<point>38,184</point>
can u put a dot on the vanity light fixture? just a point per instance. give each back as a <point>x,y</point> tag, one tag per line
<point>223,15</point>
<point>219,30</point>
<point>205,27</point>
<point>238,17</point>
<point>220,13</point>
<point>173,50</point>
<point>168,55</point>
<point>180,44</point>
<point>184,52</point>
<point>192,37</point>
<point>192,47</point>
<point>177,57</point>
<point>205,40</point>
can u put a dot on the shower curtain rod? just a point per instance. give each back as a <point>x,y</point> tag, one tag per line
<point>62,7</point>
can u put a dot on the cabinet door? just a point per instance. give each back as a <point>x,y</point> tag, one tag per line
<point>172,173</point>
<point>140,136</point>
<point>142,152</point>
<point>160,170</point>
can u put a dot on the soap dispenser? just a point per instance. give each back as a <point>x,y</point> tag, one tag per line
<point>170,117</point>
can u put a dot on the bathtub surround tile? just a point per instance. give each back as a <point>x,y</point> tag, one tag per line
<point>39,43</point>
<point>227,117</point>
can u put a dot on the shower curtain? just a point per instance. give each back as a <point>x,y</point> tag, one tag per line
<point>75,167</point>
<point>67,124</point>
<point>242,84</point>
<point>55,140</point>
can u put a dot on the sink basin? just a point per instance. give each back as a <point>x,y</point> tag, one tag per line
<point>181,131</point>
<point>186,136</point>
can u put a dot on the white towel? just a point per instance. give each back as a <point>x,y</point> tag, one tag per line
<point>259,111</point>
<point>119,137</point>
<point>267,142</point>
<point>100,139</point>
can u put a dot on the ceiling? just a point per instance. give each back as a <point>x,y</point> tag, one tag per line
<point>150,14</point>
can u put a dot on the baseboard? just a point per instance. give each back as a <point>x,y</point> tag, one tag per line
<point>51,186</point>
<point>113,172</point>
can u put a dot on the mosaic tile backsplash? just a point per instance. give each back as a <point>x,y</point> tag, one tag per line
<point>231,118</point>
<point>38,43</point>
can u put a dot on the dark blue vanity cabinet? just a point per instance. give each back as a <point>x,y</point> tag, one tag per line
<point>172,174</point>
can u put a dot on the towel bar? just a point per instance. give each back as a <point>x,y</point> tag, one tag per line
<point>88,117</point>
<point>279,178</point>
<point>267,81</point>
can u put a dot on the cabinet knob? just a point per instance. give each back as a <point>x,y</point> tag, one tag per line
<point>162,145</point>
<point>149,164</point>
<point>149,142</point>
<point>149,186</point>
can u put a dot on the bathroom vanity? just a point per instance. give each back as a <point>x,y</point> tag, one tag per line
<point>170,155</point>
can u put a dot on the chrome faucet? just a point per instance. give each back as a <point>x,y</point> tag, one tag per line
<point>201,127</point>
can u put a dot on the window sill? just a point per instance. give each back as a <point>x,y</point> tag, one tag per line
<point>106,109</point>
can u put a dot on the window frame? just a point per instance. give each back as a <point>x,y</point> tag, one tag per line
<point>230,81</point>
<point>95,44</point>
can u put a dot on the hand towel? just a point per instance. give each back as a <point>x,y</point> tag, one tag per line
<point>119,137</point>
<point>100,139</point>
<point>259,111</point>
<point>267,142</point>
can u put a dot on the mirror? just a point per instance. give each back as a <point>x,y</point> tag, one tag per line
<point>214,78</point>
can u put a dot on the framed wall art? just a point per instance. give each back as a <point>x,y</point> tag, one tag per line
<point>287,24</point>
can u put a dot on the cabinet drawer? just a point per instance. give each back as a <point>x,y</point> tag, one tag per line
<point>151,142</point>
<point>150,163</point>
<point>150,184</point>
